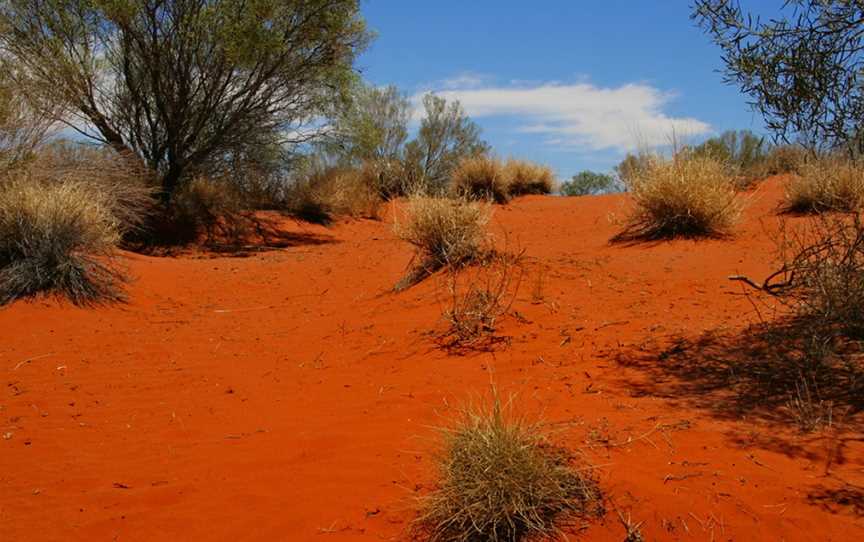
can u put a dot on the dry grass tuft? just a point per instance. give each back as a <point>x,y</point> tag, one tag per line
<point>688,196</point>
<point>122,181</point>
<point>826,184</point>
<point>805,406</point>
<point>61,216</point>
<point>57,238</point>
<point>337,191</point>
<point>444,233</point>
<point>528,178</point>
<point>482,178</point>
<point>502,479</point>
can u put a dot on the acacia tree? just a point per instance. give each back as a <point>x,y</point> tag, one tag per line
<point>184,84</point>
<point>803,69</point>
<point>446,135</point>
<point>373,127</point>
<point>22,126</point>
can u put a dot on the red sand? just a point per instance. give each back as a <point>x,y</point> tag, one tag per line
<point>289,395</point>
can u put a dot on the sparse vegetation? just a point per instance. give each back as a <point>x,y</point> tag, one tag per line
<point>826,184</point>
<point>502,479</point>
<point>807,409</point>
<point>686,196</point>
<point>22,126</point>
<point>632,166</point>
<point>206,210</point>
<point>525,178</point>
<point>822,274</point>
<point>476,301</point>
<point>587,183</point>
<point>781,159</point>
<point>444,233</point>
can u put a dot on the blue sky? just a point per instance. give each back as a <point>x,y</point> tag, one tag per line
<point>571,83</point>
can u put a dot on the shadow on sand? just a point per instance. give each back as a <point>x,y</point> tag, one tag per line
<point>762,373</point>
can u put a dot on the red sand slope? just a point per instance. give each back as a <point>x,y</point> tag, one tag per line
<point>289,395</point>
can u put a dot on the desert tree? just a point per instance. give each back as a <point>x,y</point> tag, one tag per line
<point>742,148</point>
<point>372,127</point>
<point>184,84</point>
<point>802,69</point>
<point>587,183</point>
<point>23,127</point>
<point>446,136</point>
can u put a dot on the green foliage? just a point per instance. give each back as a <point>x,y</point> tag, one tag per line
<point>631,167</point>
<point>586,183</point>
<point>742,150</point>
<point>374,126</point>
<point>186,84</point>
<point>446,136</point>
<point>802,67</point>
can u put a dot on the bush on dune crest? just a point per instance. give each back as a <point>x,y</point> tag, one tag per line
<point>488,178</point>
<point>481,177</point>
<point>687,196</point>
<point>503,480</point>
<point>826,184</point>
<point>528,178</point>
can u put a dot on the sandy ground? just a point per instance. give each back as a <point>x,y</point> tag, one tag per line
<point>288,394</point>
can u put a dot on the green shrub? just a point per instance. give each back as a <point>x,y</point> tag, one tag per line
<point>586,183</point>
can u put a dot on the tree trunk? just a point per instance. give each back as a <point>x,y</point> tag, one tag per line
<point>170,181</point>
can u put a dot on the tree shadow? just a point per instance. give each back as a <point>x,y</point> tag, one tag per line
<point>234,235</point>
<point>758,373</point>
<point>848,499</point>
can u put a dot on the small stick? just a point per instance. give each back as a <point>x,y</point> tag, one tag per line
<point>28,360</point>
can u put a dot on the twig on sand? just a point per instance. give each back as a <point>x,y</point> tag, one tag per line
<point>671,478</point>
<point>28,360</point>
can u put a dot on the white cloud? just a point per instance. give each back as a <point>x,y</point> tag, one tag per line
<point>577,115</point>
<point>464,81</point>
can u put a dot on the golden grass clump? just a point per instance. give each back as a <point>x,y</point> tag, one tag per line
<point>444,232</point>
<point>57,237</point>
<point>528,178</point>
<point>321,195</point>
<point>61,215</point>
<point>687,196</point>
<point>502,479</point>
<point>826,184</point>
<point>483,178</point>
